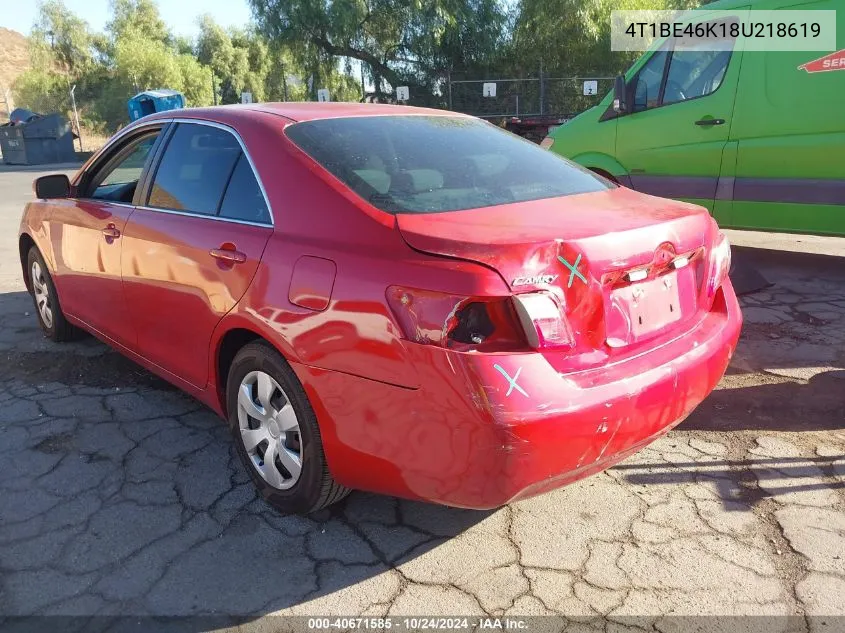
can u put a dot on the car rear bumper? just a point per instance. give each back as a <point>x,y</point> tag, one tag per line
<point>486,429</point>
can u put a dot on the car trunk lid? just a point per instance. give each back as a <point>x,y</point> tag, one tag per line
<point>626,266</point>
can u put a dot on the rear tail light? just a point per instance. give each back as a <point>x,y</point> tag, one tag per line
<point>720,264</point>
<point>484,324</point>
<point>543,321</point>
<point>547,142</point>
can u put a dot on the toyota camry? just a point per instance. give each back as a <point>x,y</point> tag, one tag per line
<point>386,298</point>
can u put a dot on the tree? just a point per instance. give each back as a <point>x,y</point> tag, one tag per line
<point>141,18</point>
<point>61,40</point>
<point>397,41</point>
<point>572,37</point>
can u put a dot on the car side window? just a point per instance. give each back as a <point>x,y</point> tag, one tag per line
<point>194,170</point>
<point>118,178</point>
<point>244,199</point>
<point>694,73</point>
<point>649,78</point>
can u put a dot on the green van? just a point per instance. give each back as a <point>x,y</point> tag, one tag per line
<point>756,137</point>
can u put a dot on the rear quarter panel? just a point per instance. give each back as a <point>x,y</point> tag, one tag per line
<point>317,217</point>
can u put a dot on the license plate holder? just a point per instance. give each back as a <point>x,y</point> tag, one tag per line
<point>645,308</point>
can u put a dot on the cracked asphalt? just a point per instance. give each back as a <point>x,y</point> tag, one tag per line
<point>119,495</point>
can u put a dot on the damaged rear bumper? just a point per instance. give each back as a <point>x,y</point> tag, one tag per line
<point>486,429</point>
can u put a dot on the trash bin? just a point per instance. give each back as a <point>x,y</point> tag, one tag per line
<point>37,140</point>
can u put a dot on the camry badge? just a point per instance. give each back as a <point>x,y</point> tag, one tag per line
<point>535,280</point>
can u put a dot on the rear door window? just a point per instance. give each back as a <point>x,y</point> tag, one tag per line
<point>244,199</point>
<point>194,170</point>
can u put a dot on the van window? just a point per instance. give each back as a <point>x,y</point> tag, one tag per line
<point>690,73</point>
<point>694,73</point>
<point>649,77</point>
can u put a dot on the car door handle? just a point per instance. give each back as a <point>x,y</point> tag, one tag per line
<point>227,255</point>
<point>710,122</point>
<point>111,232</point>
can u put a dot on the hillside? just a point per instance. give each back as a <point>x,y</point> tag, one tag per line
<point>14,59</point>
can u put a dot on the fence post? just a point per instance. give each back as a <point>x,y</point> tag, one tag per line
<point>449,84</point>
<point>76,116</point>
<point>542,89</point>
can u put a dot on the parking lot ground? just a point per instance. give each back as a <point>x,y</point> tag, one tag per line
<point>120,495</point>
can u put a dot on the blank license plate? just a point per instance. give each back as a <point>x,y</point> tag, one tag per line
<point>646,307</point>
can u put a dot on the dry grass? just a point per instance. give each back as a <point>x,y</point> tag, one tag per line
<point>91,141</point>
<point>14,60</point>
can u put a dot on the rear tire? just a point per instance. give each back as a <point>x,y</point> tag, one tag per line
<point>47,307</point>
<point>270,415</point>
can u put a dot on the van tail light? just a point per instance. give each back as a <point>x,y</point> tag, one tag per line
<point>547,142</point>
<point>482,324</point>
<point>543,321</point>
<point>720,264</point>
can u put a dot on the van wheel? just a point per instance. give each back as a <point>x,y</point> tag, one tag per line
<point>606,175</point>
<point>47,308</point>
<point>276,433</point>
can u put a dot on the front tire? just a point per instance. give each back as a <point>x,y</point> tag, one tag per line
<point>276,433</point>
<point>47,307</point>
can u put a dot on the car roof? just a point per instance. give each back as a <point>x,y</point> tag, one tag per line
<point>300,111</point>
<point>311,111</point>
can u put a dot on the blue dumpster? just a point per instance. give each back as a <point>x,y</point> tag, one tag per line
<point>150,101</point>
<point>36,139</point>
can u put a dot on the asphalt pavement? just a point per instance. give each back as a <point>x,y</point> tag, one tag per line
<point>121,495</point>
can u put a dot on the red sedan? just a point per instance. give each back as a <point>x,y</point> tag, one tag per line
<point>386,298</point>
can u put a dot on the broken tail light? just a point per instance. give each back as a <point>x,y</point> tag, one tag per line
<point>483,324</point>
<point>720,264</point>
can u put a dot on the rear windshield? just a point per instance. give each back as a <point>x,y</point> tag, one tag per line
<point>431,164</point>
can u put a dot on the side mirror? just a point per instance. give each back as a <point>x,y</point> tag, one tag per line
<point>619,104</point>
<point>52,186</point>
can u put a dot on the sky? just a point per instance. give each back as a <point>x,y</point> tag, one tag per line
<point>180,15</point>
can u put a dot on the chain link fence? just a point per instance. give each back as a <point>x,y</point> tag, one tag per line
<point>561,97</point>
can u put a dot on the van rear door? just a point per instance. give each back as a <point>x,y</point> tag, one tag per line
<point>671,143</point>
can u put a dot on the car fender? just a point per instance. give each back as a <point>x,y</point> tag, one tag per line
<point>35,226</point>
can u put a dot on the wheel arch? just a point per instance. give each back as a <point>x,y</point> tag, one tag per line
<point>25,243</point>
<point>230,339</point>
<point>603,164</point>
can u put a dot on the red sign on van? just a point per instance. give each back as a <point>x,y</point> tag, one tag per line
<point>834,61</point>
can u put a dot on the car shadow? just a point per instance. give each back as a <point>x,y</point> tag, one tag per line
<point>744,483</point>
<point>788,370</point>
<point>122,496</point>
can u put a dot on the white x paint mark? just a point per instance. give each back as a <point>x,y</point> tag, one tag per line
<point>511,381</point>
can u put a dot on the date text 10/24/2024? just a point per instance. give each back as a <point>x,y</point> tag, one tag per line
<point>418,624</point>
